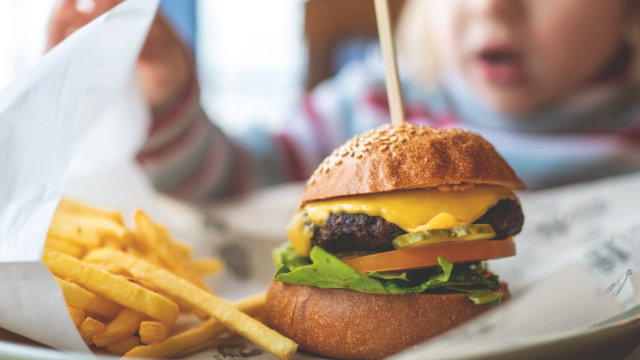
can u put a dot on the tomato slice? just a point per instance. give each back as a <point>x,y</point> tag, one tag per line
<point>427,255</point>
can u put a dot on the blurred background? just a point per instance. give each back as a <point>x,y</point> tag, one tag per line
<point>262,53</point>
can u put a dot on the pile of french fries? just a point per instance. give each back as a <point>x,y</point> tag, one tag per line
<point>125,288</point>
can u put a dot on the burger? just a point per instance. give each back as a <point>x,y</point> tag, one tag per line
<point>388,247</point>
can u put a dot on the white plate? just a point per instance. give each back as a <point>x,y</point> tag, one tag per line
<point>612,340</point>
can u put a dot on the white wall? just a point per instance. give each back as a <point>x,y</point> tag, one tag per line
<point>22,35</point>
<point>250,55</point>
<point>251,60</point>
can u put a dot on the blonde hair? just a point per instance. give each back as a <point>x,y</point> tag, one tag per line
<point>631,35</point>
<point>419,53</point>
<point>415,43</point>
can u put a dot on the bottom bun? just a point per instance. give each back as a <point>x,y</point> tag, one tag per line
<point>346,324</point>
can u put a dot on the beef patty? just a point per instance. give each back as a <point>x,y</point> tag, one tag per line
<point>360,232</point>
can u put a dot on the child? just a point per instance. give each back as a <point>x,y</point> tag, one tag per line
<point>552,84</point>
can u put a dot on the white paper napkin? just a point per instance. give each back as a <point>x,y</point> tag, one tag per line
<point>41,116</point>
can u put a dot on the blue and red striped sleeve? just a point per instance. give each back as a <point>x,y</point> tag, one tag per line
<point>188,156</point>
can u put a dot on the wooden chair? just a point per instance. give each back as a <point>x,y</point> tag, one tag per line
<point>328,23</point>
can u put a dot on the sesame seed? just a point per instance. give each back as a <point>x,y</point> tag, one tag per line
<point>383,148</point>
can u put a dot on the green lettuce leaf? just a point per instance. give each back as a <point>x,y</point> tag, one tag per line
<point>324,270</point>
<point>285,255</point>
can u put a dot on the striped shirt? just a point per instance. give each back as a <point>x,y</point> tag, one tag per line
<point>594,134</point>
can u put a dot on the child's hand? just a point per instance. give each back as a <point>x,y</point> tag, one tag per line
<point>165,64</point>
<point>66,18</point>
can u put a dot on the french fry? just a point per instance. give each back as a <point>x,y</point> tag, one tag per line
<point>187,307</point>
<point>191,339</point>
<point>157,237</point>
<point>124,345</point>
<point>220,309</point>
<point>77,208</point>
<point>180,343</point>
<point>114,243</point>
<point>75,233</point>
<point>117,309</point>
<point>149,256</point>
<point>89,328</point>
<point>64,246</point>
<point>185,250</point>
<point>119,269</point>
<point>152,332</point>
<point>112,287</point>
<point>125,324</point>
<point>81,298</point>
<point>103,228</point>
<point>207,266</point>
<point>77,315</point>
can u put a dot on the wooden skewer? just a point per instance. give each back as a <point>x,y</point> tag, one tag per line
<point>394,92</point>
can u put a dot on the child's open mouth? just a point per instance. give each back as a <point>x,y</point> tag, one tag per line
<point>500,65</point>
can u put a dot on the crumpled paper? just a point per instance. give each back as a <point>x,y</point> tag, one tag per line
<point>42,116</point>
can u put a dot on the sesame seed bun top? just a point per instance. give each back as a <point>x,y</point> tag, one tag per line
<point>408,156</point>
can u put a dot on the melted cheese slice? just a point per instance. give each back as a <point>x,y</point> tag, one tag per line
<point>411,210</point>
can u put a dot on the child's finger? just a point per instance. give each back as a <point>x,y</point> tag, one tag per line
<point>102,6</point>
<point>64,16</point>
